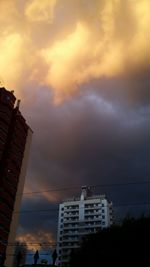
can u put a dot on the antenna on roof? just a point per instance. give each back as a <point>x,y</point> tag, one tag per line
<point>18,103</point>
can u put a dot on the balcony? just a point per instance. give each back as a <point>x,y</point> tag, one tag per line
<point>70,214</point>
<point>92,219</point>
<point>93,207</point>
<point>67,239</point>
<point>70,246</point>
<point>93,213</point>
<point>71,233</point>
<point>70,227</point>
<point>71,220</point>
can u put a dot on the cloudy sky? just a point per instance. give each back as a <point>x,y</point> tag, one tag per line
<point>81,69</point>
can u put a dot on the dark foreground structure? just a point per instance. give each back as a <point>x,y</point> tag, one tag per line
<point>126,245</point>
<point>15,138</point>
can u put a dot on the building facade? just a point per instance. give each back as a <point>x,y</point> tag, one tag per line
<point>15,139</point>
<point>79,217</point>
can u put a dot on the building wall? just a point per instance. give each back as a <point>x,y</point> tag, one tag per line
<point>15,137</point>
<point>15,216</point>
<point>78,218</point>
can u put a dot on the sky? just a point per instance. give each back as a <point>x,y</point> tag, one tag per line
<point>81,69</point>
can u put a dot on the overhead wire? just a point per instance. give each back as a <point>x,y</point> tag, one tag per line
<point>91,186</point>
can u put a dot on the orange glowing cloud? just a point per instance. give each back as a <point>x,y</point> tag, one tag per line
<point>39,241</point>
<point>64,59</point>
<point>11,49</point>
<point>89,52</point>
<point>102,39</point>
<point>40,11</point>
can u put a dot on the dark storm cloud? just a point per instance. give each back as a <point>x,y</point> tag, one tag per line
<point>92,139</point>
<point>37,214</point>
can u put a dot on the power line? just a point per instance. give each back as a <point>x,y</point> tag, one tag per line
<point>32,244</point>
<point>18,243</point>
<point>42,210</point>
<point>79,187</point>
<point>31,254</point>
<point>114,206</point>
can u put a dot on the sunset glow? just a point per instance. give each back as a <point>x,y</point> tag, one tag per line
<point>100,41</point>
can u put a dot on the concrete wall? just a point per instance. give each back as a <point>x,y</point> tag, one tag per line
<point>15,216</point>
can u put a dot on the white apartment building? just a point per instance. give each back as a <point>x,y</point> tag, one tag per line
<point>79,217</point>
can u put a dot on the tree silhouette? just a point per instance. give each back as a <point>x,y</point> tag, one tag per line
<point>54,256</point>
<point>36,257</point>
<point>2,259</point>
<point>18,258</point>
<point>123,245</point>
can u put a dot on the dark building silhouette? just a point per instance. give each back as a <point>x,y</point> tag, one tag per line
<point>15,137</point>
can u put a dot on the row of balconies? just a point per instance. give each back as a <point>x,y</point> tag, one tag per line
<point>93,213</point>
<point>71,214</point>
<point>70,208</point>
<point>70,245</point>
<point>70,239</point>
<point>89,225</point>
<point>93,207</point>
<point>93,217</point>
<point>65,252</point>
<point>84,230</point>
<point>98,212</point>
<point>75,237</point>
<point>65,260</point>
<point>87,206</point>
<point>87,219</point>
<point>78,227</point>
<point>71,233</point>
